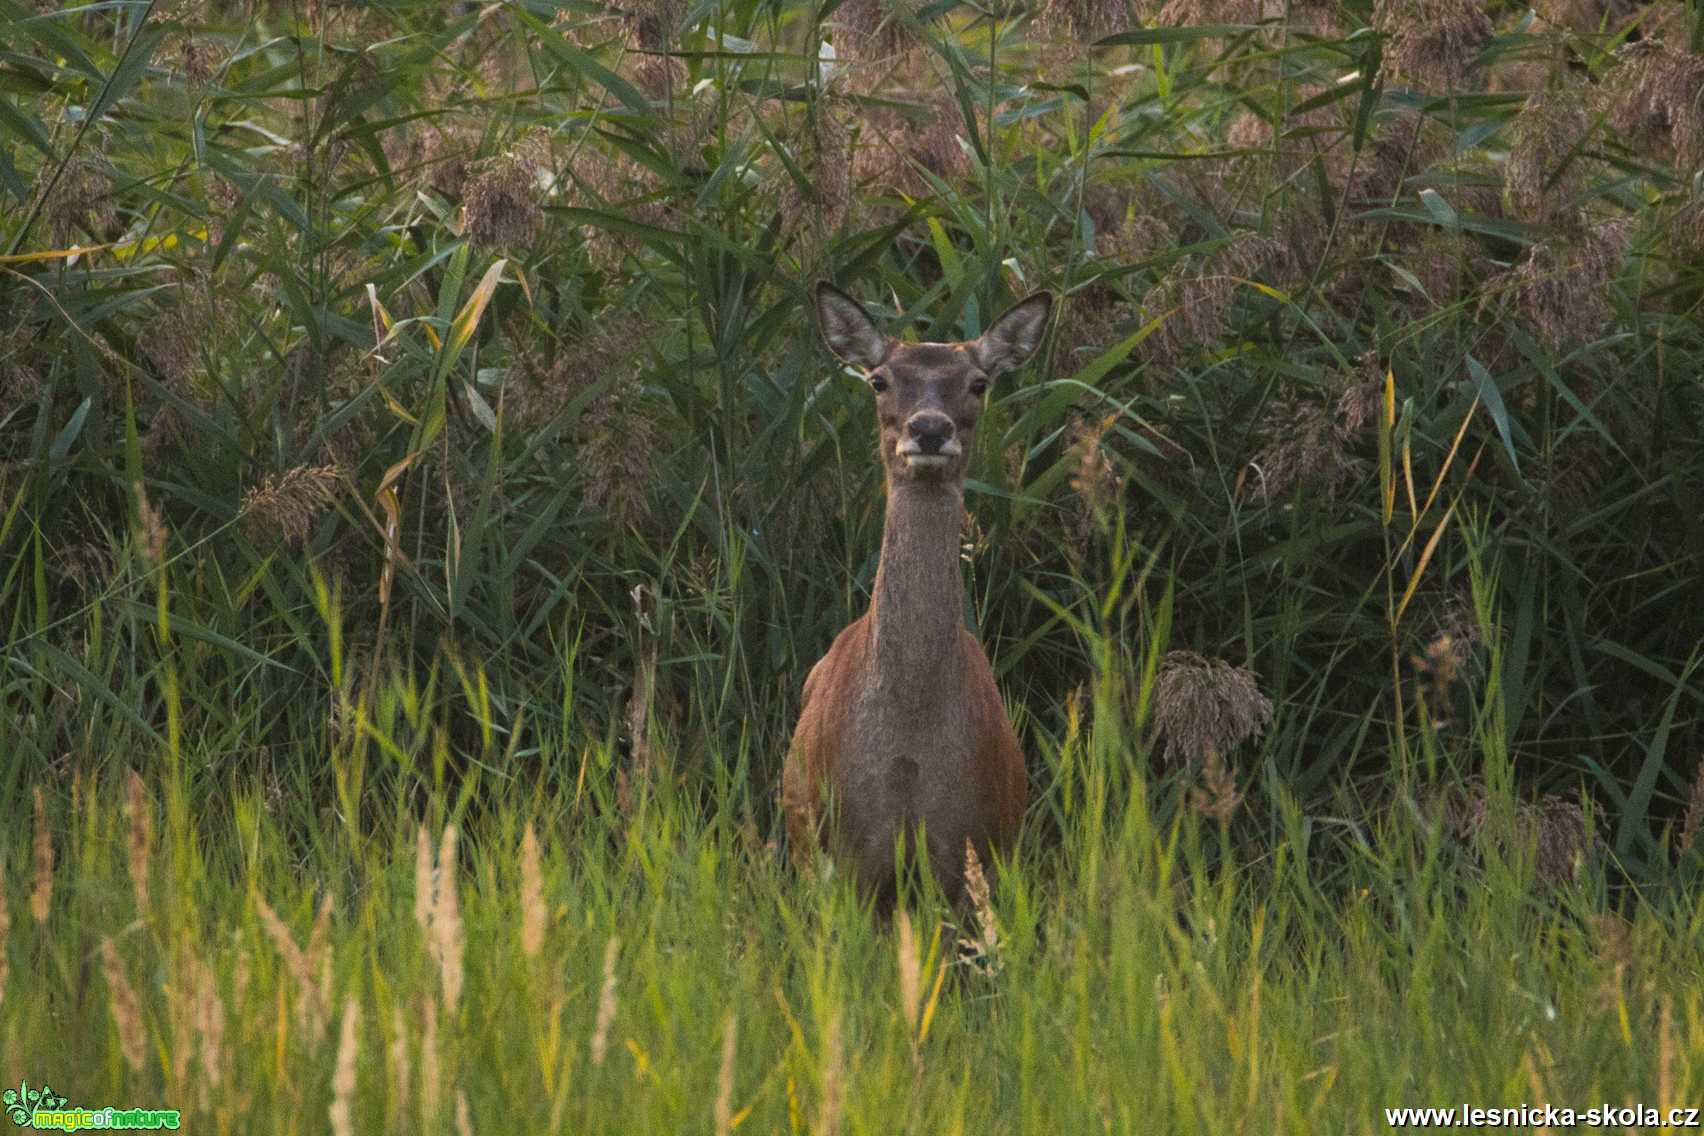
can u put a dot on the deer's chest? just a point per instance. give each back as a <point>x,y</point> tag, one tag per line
<point>911,765</point>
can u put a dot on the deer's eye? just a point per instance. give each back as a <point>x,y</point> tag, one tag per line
<point>877,383</point>
<point>978,388</point>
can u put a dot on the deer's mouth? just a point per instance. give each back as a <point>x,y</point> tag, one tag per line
<point>942,455</point>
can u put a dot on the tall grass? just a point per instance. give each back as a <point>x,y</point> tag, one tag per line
<point>410,420</point>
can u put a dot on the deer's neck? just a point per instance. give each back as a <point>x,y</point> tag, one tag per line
<point>918,606</point>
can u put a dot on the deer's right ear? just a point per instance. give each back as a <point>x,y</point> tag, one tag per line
<point>848,329</point>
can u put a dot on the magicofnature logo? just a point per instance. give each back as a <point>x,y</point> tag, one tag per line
<point>43,1109</point>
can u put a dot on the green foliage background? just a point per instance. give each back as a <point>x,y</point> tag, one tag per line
<point>629,465</point>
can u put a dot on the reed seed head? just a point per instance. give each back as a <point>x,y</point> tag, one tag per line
<point>81,204</point>
<point>1689,826</point>
<point>1544,173</point>
<point>287,504</point>
<point>1656,94</point>
<point>1205,706</point>
<point>1431,43</point>
<point>501,201</point>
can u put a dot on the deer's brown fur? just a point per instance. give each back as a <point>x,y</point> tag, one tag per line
<point>902,726</point>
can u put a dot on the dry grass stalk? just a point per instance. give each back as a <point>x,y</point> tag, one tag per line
<point>397,1065</point>
<point>534,914</point>
<point>209,1018</point>
<point>431,1081</point>
<point>343,1076</point>
<point>312,1004</point>
<point>833,1062</point>
<point>446,941</point>
<point>1688,827</point>
<point>126,1007</point>
<point>318,953</point>
<point>5,931</point>
<point>724,1113</point>
<point>41,893</point>
<point>287,504</point>
<point>910,974</point>
<point>140,844</point>
<point>422,879</point>
<point>606,1002</point>
<point>464,1118</point>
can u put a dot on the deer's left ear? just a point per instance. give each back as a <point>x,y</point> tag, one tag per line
<point>1013,338</point>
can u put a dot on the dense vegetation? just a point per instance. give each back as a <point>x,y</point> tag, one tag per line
<point>411,415</point>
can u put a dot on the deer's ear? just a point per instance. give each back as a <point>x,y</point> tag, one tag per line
<point>1013,338</point>
<point>848,329</point>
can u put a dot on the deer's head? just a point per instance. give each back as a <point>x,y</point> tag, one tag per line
<point>929,395</point>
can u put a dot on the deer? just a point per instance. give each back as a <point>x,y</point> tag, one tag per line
<point>901,728</point>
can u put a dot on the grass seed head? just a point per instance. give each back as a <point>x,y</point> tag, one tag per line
<point>139,848</point>
<point>985,949</point>
<point>1217,795</point>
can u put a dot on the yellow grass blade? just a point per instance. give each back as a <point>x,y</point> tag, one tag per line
<point>462,327</point>
<point>1431,545</point>
<point>1443,471</point>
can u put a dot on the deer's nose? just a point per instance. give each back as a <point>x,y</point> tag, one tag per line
<point>931,431</point>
